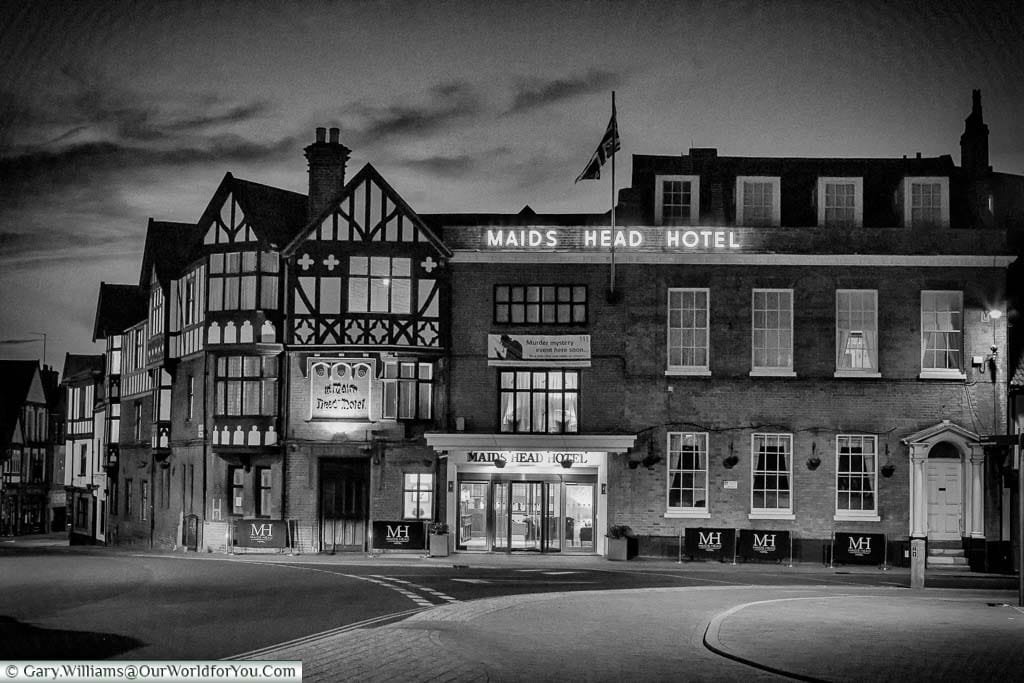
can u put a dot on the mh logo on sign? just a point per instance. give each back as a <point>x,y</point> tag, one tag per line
<point>860,545</point>
<point>765,543</point>
<point>710,541</point>
<point>399,532</point>
<point>261,533</point>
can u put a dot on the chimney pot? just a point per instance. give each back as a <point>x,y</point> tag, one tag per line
<point>334,136</point>
<point>321,134</point>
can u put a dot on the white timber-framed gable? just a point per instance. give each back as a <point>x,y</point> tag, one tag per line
<point>367,273</point>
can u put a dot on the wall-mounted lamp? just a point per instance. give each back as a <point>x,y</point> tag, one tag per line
<point>991,315</point>
<point>499,463</point>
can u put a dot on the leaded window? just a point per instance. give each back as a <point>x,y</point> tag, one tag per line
<point>543,401</point>
<point>540,304</point>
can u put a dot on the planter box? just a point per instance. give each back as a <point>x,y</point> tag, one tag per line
<point>622,549</point>
<point>439,545</point>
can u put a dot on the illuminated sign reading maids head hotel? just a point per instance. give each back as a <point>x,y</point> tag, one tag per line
<point>598,238</point>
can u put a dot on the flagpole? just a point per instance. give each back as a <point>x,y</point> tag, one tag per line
<point>612,287</point>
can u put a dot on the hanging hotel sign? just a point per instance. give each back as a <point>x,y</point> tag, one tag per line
<point>641,239</point>
<point>551,350</point>
<point>339,389</point>
<point>562,458</point>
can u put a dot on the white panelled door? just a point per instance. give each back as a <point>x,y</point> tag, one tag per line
<point>945,508</point>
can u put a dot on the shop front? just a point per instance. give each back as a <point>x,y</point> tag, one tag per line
<point>510,494</point>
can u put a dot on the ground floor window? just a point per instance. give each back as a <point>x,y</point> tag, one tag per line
<point>417,496</point>
<point>236,482</point>
<point>687,471</point>
<point>772,457</point>
<point>264,484</point>
<point>856,459</point>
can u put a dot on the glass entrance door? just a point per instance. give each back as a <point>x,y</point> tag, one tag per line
<point>579,516</point>
<point>526,515</point>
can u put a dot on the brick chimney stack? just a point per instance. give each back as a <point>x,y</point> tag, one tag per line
<point>327,160</point>
<point>974,141</point>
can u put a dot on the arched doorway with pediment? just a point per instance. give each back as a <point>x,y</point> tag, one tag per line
<point>947,499</point>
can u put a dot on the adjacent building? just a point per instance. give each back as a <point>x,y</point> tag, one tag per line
<point>26,446</point>
<point>794,348</point>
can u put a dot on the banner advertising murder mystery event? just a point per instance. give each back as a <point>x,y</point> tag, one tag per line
<point>858,548</point>
<point>261,533</point>
<point>763,545</point>
<point>557,350</point>
<point>718,544</point>
<point>400,535</point>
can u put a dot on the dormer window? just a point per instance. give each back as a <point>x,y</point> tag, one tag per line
<point>926,202</point>
<point>841,202</point>
<point>757,200</point>
<point>676,199</point>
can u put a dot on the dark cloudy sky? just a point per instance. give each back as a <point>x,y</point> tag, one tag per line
<point>114,112</point>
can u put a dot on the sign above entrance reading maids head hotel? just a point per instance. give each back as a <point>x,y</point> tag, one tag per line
<point>550,350</point>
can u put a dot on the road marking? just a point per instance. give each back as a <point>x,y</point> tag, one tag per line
<point>312,638</point>
<point>408,592</point>
<point>472,580</point>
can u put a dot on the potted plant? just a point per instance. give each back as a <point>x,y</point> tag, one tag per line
<point>622,543</point>
<point>438,539</point>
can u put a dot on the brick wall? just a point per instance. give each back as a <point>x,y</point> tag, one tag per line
<point>626,390</point>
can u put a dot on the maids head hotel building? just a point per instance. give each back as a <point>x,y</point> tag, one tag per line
<point>810,346</point>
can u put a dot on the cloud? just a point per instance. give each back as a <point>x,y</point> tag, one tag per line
<point>446,104</point>
<point>445,166</point>
<point>534,93</point>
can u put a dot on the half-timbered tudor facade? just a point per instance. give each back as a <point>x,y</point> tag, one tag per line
<point>761,349</point>
<point>85,480</point>
<point>367,337</point>
<point>118,308</point>
<point>26,446</point>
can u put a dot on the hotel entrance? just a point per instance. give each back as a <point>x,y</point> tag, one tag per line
<point>533,513</point>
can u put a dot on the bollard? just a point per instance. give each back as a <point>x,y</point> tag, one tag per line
<point>918,560</point>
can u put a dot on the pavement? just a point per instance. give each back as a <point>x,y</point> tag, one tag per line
<point>729,629</point>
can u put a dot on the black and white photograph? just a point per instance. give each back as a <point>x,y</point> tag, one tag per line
<point>581,340</point>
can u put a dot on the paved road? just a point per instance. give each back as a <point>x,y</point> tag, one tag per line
<point>521,618</point>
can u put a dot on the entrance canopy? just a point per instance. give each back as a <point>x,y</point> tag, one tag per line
<point>461,441</point>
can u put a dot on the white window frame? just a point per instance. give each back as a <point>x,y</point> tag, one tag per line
<point>776,184</point>
<point>858,201</point>
<point>769,371</point>
<point>776,512</point>
<point>873,371</point>
<point>858,515</point>
<point>686,512</point>
<point>908,184</point>
<point>659,198</point>
<point>941,373</point>
<point>704,369</point>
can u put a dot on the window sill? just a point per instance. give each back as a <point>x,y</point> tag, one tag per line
<point>688,372</point>
<point>768,514</point>
<point>853,374</point>
<point>687,514</point>
<point>772,373</point>
<point>942,374</point>
<point>856,518</point>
